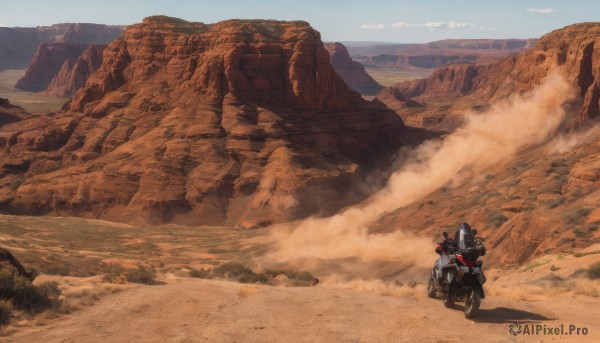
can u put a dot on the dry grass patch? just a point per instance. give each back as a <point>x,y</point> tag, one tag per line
<point>87,295</point>
<point>142,275</point>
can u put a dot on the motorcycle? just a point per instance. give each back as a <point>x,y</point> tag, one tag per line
<point>457,274</point>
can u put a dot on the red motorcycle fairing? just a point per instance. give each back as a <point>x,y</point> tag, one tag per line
<point>465,261</point>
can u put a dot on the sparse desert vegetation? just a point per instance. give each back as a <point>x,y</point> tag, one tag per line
<point>18,293</point>
<point>240,273</point>
<point>85,248</point>
<point>81,261</point>
<point>496,219</point>
<point>593,271</point>
<point>142,275</point>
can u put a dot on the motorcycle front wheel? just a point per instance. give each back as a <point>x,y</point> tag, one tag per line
<point>472,303</point>
<point>431,288</point>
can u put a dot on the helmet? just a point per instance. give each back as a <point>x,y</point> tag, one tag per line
<point>464,236</point>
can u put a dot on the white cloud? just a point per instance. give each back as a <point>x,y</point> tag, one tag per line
<point>403,25</point>
<point>434,25</point>
<point>540,10</point>
<point>374,26</point>
<point>447,25</point>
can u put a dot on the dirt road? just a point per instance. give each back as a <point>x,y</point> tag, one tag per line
<point>214,311</point>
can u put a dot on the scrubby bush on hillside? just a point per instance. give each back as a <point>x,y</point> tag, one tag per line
<point>18,293</point>
<point>496,219</point>
<point>594,271</point>
<point>5,311</point>
<point>118,274</point>
<point>577,216</point>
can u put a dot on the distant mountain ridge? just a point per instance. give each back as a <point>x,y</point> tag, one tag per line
<point>438,53</point>
<point>572,51</point>
<point>19,44</point>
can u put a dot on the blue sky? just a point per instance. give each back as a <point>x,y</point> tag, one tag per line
<point>372,20</point>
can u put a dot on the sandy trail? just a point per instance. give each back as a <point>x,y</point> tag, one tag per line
<point>215,311</point>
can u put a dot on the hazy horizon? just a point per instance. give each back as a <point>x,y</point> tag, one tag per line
<point>375,21</point>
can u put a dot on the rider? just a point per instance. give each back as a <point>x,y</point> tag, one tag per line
<point>463,239</point>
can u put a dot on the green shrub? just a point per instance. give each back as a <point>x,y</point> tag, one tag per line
<point>232,269</point>
<point>559,167</point>
<point>556,202</point>
<point>305,276</point>
<point>252,278</point>
<point>27,297</point>
<point>244,274</point>
<point>593,271</point>
<point>201,274</point>
<point>577,216</point>
<point>593,226</point>
<point>496,219</point>
<point>5,312</point>
<point>141,275</point>
<point>290,274</point>
<point>240,273</point>
<point>304,279</point>
<point>113,274</point>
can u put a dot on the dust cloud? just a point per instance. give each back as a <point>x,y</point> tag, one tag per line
<point>568,142</point>
<point>344,241</point>
<point>267,190</point>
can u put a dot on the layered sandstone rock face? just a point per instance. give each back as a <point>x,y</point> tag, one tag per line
<point>353,73</point>
<point>47,62</point>
<point>570,51</point>
<point>71,77</point>
<point>240,122</point>
<point>9,113</point>
<point>60,69</point>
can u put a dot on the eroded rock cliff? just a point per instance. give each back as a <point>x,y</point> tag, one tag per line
<point>353,73</point>
<point>571,51</point>
<point>61,69</point>
<point>240,122</point>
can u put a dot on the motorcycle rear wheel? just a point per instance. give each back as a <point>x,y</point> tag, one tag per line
<point>449,299</point>
<point>472,303</point>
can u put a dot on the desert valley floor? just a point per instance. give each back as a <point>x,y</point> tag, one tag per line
<point>184,309</point>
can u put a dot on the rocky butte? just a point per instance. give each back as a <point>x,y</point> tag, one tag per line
<point>60,69</point>
<point>352,72</point>
<point>449,91</point>
<point>242,122</point>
